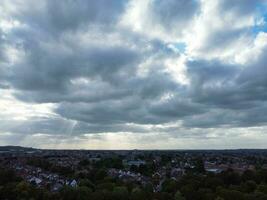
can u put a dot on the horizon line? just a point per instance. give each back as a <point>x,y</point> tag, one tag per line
<point>136,149</point>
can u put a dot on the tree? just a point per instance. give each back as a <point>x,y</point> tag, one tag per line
<point>106,186</point>
<point>23,190</point>
<point>120,193</point>
<point>231,194</point>
<point>199,166</point>
<point>219,198</point>
<point>249,175</point>
<point>262,188</point>
<point>231,178</point>
<point>87,183</point>
<point>169,186</point>
<point>83,193</point>
<point>7,176</point>
<point>148,188</point>
<point>138,194</point>
<point>249,186</point>
<point>100,174</point>
<point>213,182</point>
<point>69,193</point>
<point>178,196</point>
<point>84,162</point>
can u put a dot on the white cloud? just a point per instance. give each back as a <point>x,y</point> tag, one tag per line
<point>13,109</point>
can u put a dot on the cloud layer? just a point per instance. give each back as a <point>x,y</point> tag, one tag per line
<point>175,69</point>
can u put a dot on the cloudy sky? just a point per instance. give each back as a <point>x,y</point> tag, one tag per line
<point>147,74</point>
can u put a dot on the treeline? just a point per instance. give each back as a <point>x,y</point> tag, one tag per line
<point>46,165</point>
<point>96,185</point>
<point>228,185</point>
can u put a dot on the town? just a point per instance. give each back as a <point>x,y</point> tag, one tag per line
<point>136,174</point>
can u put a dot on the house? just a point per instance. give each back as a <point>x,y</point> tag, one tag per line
<point>136,163</point>
<point>73,183</point>
<point>57,187</point>
<point>177,173</point>
<point>35,180</point>
<point>214,170</point>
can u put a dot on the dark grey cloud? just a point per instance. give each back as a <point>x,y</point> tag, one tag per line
<point>176,108</point>
<point>250,117</point>
<point>222,39</point>
<point>1,44</point>
<point>171,13</point>
<point>56,125</point>
<point>4,70</point>
<point>53,70</point>
<point>56,17</point>
<point>236,94</point>
<point>213,83</point>
<point>229,86</point>
<point>240,7</point>
<point>253,79</point>
<point>35,125</point>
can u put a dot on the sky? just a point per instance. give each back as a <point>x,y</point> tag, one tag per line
<point>133,74</point>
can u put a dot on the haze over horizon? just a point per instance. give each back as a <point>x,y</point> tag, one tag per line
<point>133,74</point>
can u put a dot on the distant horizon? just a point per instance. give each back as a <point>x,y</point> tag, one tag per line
<point>133,149</point>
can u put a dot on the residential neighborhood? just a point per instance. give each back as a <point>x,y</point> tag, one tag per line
<point>56,170</point>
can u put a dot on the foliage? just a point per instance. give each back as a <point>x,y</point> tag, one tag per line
<point>96,185</point>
